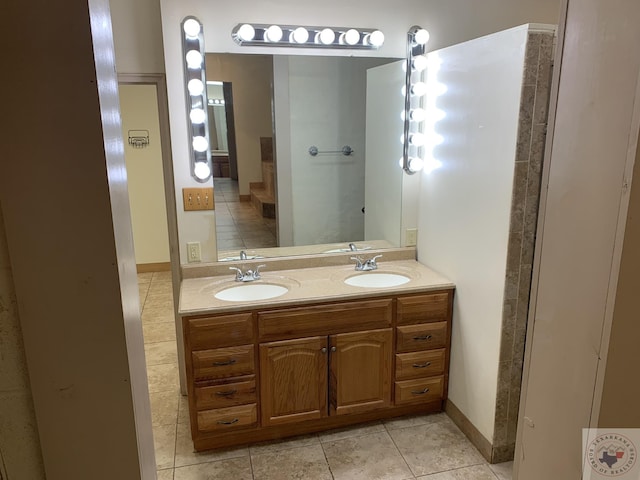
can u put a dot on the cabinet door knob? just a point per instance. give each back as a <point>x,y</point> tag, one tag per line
<point>333,349</point>
<point>324,350</point>
<point>222,364</point>
<point>228,422</point>
<point>423,337</point>
<point>420,392</point>
<point>227,393</point>
<point>421,365</point>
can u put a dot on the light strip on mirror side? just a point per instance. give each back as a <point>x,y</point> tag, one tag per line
<point>254,34</point>
<point>193,59</point>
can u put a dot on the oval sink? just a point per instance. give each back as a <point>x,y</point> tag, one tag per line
<point>377,280</point>
<point>247,292</point>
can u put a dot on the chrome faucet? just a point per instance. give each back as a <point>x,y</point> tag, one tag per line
<point>243,255</point>
<point>366,265</point>
<point>249,275</point>
<point>352,247</point>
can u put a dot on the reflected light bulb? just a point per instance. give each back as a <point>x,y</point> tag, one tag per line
<point>300,35</point>
<point>191,28</point>
<point>376,38</point>
<point>195,87</point>
<point>419,63</point>
<point>246,32</point>
<point>200,144</point>
<point>202,170</point>
<point>351,36</point>
<point>273,34</point>
<point>417,114</point>
<point>416,139</point>
<point>419,89</point>
<point>327,36</point>
<point>421,36</point>
<point>194,59</point>
<point>197,116</point>
<point>415,164</point>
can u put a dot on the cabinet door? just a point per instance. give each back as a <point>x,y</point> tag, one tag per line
<point>293,379</point>
<point>360,371</point>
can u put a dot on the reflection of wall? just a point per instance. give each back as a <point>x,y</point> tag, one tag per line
<point>326,108</point>
<point>251,77</point>
<point>139,110</point>
<point>465,210</point>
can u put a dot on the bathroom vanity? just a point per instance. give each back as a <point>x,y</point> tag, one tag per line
<point>323,355</point>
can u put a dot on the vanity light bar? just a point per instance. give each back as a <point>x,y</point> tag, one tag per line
<point>255,34</point>
<point>413,138</point>
<point>196,95</point>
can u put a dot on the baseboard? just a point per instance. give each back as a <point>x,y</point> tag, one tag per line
<point>153,267</point>
<point>473,434</point>
<point>245,198</point>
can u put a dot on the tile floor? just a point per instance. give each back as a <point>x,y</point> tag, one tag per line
<point>239,226</point>
<point>428,447</point>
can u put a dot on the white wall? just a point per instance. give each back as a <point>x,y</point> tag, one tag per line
<point>139,111</point>
<point>464,206</point>
<point>449,22</point>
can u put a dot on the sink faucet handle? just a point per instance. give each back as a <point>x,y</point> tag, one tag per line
<point>358,262</point>
<point>239,273</point>
<point>373,260</point>
<point>256,272</point>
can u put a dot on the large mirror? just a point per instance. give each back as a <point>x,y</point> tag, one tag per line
<point>305,152</point>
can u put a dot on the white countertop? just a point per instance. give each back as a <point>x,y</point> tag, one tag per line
<point>317,284</point>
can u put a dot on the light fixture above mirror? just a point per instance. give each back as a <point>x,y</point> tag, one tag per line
<point>255,34</point>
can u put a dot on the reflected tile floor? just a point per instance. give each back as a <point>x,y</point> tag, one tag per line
<point>423,447</point>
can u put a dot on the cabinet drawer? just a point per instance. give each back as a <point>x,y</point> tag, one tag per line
<point>422,337</point>
<point>223,362</point>
<point>222,331</point>
<point>421,390</point>
<point>423,308</point>
<point>324,319</point>
<point>420,364</point>
<point>226,395</point>
<point>227,418</point>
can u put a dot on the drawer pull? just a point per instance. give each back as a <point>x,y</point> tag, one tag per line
<point>420,392</point>
<point>228,422</point>
<point>227,393</point>
<point>421,365</point>
<point>422,337</point>
<point>225,363</point>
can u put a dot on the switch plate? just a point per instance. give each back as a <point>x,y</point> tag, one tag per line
<point>193,252</point>
<point>412,237</point>
<point>197,199</point>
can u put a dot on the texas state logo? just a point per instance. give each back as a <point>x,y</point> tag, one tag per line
<point>611,454</point>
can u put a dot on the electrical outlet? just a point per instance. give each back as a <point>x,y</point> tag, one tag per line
<point>193,252</point>
<point>412,237</point>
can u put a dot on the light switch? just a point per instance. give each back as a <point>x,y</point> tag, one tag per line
<point>198,199</point>
<point>412,237</point>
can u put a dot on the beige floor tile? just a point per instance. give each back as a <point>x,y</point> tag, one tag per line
<point>157,289</point>
<point>162,301</point>
<point>286,444</point>
<point>162,276</point>
<point>435,447</point>
<point>154,332</point>
<point>372,457</point>
<point>161,353</point>
<point>157,315</point>
<point>185,455</point>
<point>415,420</point>
<point>355,431</point>
<point>183,409</point>
<point>231,469</point>
<point>164,440</point>
<point>303,463</point>
<point>504,471</point>
<point>145,277</point>
<point>163,378</point>
<point>165,474</point>
<point>477,472</point>
<point>164,407</point>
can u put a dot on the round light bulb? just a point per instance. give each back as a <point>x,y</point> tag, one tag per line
<point>401,162</point>
<point>351,36</point>
<point>300,35</point>
<point>376,38</point>
<point>415,164</point>
<point>402,139</point>
<point>417,115</point>
<point>200,144</point>
<point>421,36</point>
<point>327,36</point>
<point>419,63</point>
<point>194,59</point>
<point>202,170</point>
<point>195,87</point>
<point>197,116</point>
<point>418,89</point>
<point>191,28</point>
<point>416,139</point>
<point>273,34</point>
<point>246,32</point>
<point>403,91</point>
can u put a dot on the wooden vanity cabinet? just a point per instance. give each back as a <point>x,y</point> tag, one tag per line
<point>270,373</point>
